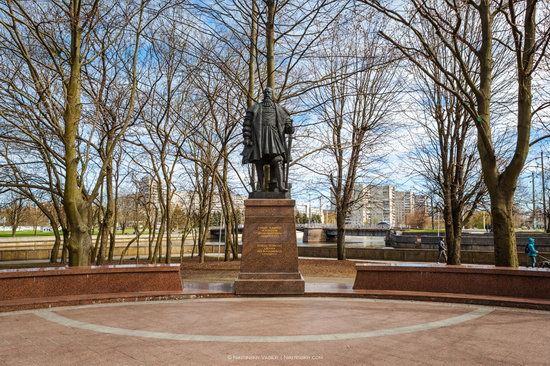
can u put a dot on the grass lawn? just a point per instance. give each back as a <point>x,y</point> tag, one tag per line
<point>7,234</point>
<point>21,233</point>
<point>324,270</point>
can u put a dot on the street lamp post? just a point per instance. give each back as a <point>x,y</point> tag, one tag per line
<point>309,210</point>
<point>544,212</point>
<point>534,208</point>
<point>321,209</point>
<point>432,208</point>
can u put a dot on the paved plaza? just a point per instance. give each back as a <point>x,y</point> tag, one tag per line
<point>273,331</point>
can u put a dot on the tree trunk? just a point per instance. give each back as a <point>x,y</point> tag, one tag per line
<point>157,251</point>
<point>80,241</point>
<point>152,234</point>
<point>110,222</point>
<point>185,232</point>
<point>76,207</point>
<point>270,43</point>
<point>453,231</point>
<point>454,253</point>
<point>449,228</point>
<point>98,247</point>
<point>503,230</point>
<point>194,236</point>
<point>501,186</point>
<point>65,252</point>
<point>201,243</point>
<point>252,58</point>
<point>134,239</point>
<point>107,220</point>
<point>54,254</point>
<point>341,235</point>
<point>168,258</point>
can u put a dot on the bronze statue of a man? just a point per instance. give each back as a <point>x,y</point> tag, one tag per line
<point>264,129</point>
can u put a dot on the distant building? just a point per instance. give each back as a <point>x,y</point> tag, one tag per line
<point>185,197</point>
<point>422,203</point>
<point>404,205</point>
<point>148,191</point>
<point>359,213</point>
<point>238,202</point>
<point>374,204</point>
<point>379,204</point>
<point>329,216</point>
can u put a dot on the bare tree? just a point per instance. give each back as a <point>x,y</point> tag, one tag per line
<point>445,156</point>
<point>14,211</point>
<point>510,25</point>
<point>352,110</point>
<point>46,88</point>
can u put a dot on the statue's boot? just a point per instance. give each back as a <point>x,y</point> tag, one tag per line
<point>260,175</point>
<point>279,175</point>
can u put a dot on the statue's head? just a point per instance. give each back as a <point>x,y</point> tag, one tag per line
<point>268,93</point>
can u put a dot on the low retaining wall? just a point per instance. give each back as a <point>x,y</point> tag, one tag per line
<point>403,255</point>
<point>315,235</point>
<point>470,280</point>
<point>470,242</point>
<point>39,283</point>
<point>43,253</point>
<point>383,254</point>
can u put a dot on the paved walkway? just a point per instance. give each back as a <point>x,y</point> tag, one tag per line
<point>275,331</point>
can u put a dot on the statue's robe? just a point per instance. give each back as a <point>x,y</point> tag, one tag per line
<point>267,141</point>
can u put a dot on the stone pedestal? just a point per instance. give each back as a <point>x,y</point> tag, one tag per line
<point>269,263</point>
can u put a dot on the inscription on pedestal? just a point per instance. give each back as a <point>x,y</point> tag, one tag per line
<point>268,250</point>
<point>269,264</point>
<point>269,231</point>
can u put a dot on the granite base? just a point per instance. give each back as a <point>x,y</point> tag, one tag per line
<point>269,263</point>
<point>269,195</point>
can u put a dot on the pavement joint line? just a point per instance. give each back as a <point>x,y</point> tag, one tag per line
<point>52,316</point>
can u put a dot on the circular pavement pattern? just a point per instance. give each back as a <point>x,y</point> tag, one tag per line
<point>275,315</point>
<point>274,331</point>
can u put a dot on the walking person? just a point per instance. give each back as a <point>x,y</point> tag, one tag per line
<point>531,253</point>
<point>442,250</point>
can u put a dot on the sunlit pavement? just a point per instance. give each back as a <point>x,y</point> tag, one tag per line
<point>305,331</point>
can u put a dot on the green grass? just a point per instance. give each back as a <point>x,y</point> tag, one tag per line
<point>7,234</point>
<point>27,233</point>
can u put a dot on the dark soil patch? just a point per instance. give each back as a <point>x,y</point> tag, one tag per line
<point>308,267</point>
<point>217,270</point>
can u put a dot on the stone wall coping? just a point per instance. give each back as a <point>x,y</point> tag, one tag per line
<point>443,268</point>
<point>57,271</point>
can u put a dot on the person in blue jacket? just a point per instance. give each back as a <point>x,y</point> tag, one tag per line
<point>531,253</point>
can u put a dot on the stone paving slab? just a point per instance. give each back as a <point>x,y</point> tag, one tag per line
<point>275,331</point>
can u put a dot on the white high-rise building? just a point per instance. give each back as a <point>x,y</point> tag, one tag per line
<point>374,204</point>
<point>358,214</point>
<point>380,205</point>
<point>404,204</point>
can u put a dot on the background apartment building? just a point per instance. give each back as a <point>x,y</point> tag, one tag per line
<point>404,203</point>
<point>383,203</point>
